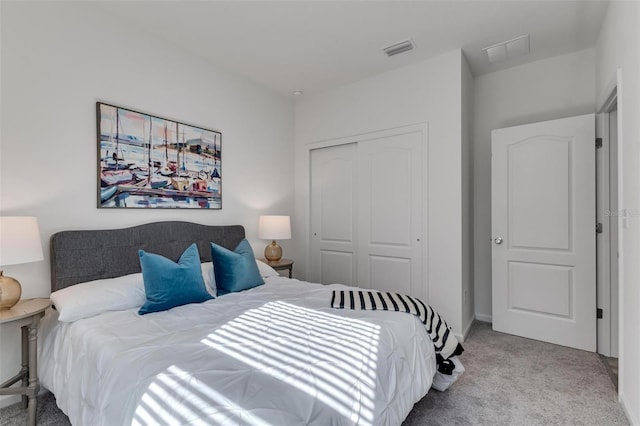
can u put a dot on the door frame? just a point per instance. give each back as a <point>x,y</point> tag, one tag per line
<point>362,138</point>
<point>603,239</point>
<point>608,101</point>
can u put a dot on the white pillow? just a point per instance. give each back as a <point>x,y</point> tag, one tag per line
<point>209,277</point>
<point>266,271</point>
<point>95,297</point>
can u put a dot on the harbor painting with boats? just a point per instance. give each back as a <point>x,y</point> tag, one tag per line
<point>151,162</point>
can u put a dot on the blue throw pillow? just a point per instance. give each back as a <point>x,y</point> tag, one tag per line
<point>169,284</point>
<point>235,270</point>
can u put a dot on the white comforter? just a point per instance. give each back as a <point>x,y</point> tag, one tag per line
<point>273,355</point>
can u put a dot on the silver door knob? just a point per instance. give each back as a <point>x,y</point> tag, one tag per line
<point>498,240</point>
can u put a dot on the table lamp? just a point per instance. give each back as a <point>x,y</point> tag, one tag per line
<point>274,228</point>
<point>19,243</point>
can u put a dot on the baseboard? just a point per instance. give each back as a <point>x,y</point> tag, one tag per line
<point>466,330</point>
<point>633,421</point>
<point>7,400</point>
<point>484,318</point>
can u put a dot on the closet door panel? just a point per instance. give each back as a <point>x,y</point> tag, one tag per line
<point>333,230</point>
<point>384,270</point>
<point>389,206</point>
<point>390,213</point>
<point>337,267</point>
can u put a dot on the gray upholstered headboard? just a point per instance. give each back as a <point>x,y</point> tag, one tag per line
<point>80,256</point>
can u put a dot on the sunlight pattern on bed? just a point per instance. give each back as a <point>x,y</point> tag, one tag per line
<point>329,357</point>
<point>191,399</point>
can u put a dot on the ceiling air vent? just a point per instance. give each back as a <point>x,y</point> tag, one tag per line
<point>508,49</point>
<point>399,47</point>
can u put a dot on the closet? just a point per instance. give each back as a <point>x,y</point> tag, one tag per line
<point>368,213</point>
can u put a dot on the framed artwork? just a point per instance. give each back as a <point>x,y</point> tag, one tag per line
<point>146,161</point>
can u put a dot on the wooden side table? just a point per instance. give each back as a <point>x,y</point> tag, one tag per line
<point>27,312</point>
<point>280,265</point>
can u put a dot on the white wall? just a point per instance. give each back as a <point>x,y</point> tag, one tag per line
<point>430,92</point>
<point>467,302</point>
<point>58,59</point>
<point>558,87</point>
<point>619,48</point>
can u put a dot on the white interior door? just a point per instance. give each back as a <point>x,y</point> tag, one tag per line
<point>543,228</point>
<point>333,231</point>
<point>391,213</point>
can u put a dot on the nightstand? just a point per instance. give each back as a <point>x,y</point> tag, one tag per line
<point>280,265</point>
<point>27,313</point>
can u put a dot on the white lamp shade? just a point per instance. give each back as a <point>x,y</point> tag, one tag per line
<point>274,227</point>
<point>19,240</point>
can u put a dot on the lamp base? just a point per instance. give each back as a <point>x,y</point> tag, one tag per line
<point>10,292</point>
<point>273,252</point>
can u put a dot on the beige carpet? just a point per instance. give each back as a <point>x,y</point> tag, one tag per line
<point>515,381</point>
<point>509,381</point>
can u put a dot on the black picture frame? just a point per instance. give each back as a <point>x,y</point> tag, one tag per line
<point>147,161</point>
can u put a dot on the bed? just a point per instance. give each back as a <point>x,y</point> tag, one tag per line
<point>276,354</point>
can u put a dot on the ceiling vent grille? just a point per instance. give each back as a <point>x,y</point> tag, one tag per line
<point>399,47</point>
<point>508,49</point>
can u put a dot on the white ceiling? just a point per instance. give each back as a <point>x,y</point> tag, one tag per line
<point>317,45</point>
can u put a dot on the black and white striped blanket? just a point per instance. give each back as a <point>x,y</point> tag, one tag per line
<point>444,342</point>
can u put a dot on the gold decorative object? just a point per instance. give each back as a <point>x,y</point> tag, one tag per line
<point>10,291</point>
<point>273,252</point>
<point>274,228</point>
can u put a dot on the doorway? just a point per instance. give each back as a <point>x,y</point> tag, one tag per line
<point>544,243</point>
<point>607,219</point>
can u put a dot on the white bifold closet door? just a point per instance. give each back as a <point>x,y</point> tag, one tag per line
<point>367,213</point>
<point>334,183</point>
